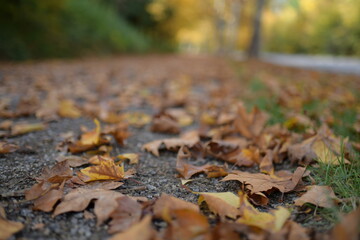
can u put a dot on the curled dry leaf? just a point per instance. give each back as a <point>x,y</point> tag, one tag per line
<point>139,231</point>
<point>77,200</point>
<point>258,182</point>
<point>259,199</point>
<point>92,137</point>
<point>225,204</point>
<point>88,140</point>
<point>166,204</point>
<point>6,147</point>
<point>7,227</point>
<point>23,128</point>
<point>322,196</point>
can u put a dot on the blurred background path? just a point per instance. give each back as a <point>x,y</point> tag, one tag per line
<point>344,65</point>
<point>324,63</point>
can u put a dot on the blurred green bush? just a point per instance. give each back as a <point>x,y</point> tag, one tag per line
<point>33,29</point>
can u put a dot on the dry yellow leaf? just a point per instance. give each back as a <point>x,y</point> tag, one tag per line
<point>23,128</point>
<point>325,155</point>
<point>136,119</point>
<point>222,203</point>
<point>8,228</point>
<point>68,109</point>
<point>105,170</point>
<point>92,137</point>
<point>272,221</point>
<point>132,157</point>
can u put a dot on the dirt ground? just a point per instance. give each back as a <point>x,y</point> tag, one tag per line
<point>135,84</point>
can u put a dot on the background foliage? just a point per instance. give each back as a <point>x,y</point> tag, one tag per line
<point>33,29</point>
<point>64,28</point>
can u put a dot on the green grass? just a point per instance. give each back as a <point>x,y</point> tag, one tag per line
<point>344,180</point>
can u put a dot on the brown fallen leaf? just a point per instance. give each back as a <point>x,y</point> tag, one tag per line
<point>188,139</point>
<point>67,109</point>
<point>250,125</point>
<point>105,170</point>
<point>47,202</point>
<point>50,179</point>
<point>232,153</point>
<point>78,199</point>
<point>127,213</point>
<point>225,231</point>
<point>166,204</point>
<point>59,173</point>
<point>7,227</point>
<point>23,128</point>
<point>258,182</point>
<point>107,185</point>
<point>266,164</point>
<point>73,161</point>
<point>132,157</point>
<point>348,227</point>
<point>225,204</point>
<point>120,132</point>
<point>49,107</point>
<point>6,147</point>
<point>165,124</point>
<point>187,224</point>
<point>139,231</point>
<point>6,125</point>
<point>187,170</point>
<point>322,196</point>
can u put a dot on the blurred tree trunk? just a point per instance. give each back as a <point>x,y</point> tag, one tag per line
<point>255,44</point>
<point>235,24</point>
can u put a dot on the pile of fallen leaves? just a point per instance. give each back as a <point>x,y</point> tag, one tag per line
<point>206,122</point>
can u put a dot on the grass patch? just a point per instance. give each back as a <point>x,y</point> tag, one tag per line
<point>344,180</point>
